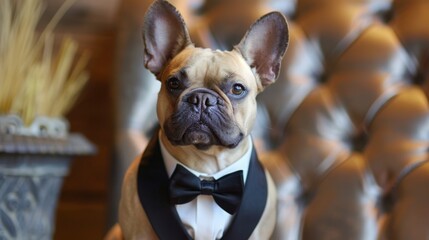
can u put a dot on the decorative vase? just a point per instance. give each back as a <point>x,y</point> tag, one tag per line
<point>33,163</point>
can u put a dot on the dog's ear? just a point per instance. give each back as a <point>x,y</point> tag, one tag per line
<point>164,35</point>
<point>264,45</point>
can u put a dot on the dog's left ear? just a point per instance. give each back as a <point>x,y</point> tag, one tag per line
<point>264,45</point>
<point>164,35</point>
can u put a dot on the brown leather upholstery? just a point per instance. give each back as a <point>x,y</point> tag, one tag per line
<point>353,153</point>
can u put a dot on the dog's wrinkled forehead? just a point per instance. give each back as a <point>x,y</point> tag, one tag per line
<point>206,67</point>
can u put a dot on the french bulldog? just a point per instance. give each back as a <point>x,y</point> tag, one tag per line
<point>206,110</point>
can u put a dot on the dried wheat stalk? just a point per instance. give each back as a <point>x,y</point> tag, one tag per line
<point>33,82</point>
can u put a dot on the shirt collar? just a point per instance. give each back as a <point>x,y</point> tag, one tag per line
<point>241,164</point>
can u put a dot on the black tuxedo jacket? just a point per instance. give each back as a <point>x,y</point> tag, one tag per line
<point>153,183</point>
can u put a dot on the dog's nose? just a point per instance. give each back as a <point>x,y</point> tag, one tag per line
<point>202,100</point>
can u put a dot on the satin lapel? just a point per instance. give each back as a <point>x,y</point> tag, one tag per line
<point>252,205</point>
<point>152,183</point>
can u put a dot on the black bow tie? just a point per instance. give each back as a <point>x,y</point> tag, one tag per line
<point>226,191</point>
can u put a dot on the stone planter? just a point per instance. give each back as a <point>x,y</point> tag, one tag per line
<point>33,163</point>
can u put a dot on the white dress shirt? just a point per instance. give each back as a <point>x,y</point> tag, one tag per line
<point>202,217</point>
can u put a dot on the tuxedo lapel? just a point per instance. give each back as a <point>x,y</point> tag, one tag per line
<point>152,184</point>
<point>253,203</point>
<point>153,194</point>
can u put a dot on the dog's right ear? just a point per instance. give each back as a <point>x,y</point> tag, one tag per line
<point>164,35</point>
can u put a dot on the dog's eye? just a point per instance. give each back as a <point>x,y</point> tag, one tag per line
<point>173,83</point>
<point>237,89</point>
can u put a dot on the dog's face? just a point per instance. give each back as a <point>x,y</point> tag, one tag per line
<point>208,97</point>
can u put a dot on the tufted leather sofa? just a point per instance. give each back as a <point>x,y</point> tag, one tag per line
<point>350,122</point>
<point>345,129</point>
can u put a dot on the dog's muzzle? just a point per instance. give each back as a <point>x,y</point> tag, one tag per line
<point>202,119</point>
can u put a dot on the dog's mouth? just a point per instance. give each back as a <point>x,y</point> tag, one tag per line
<point>202,127</point>
<point>202,135</point>
<point>199,135</point>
